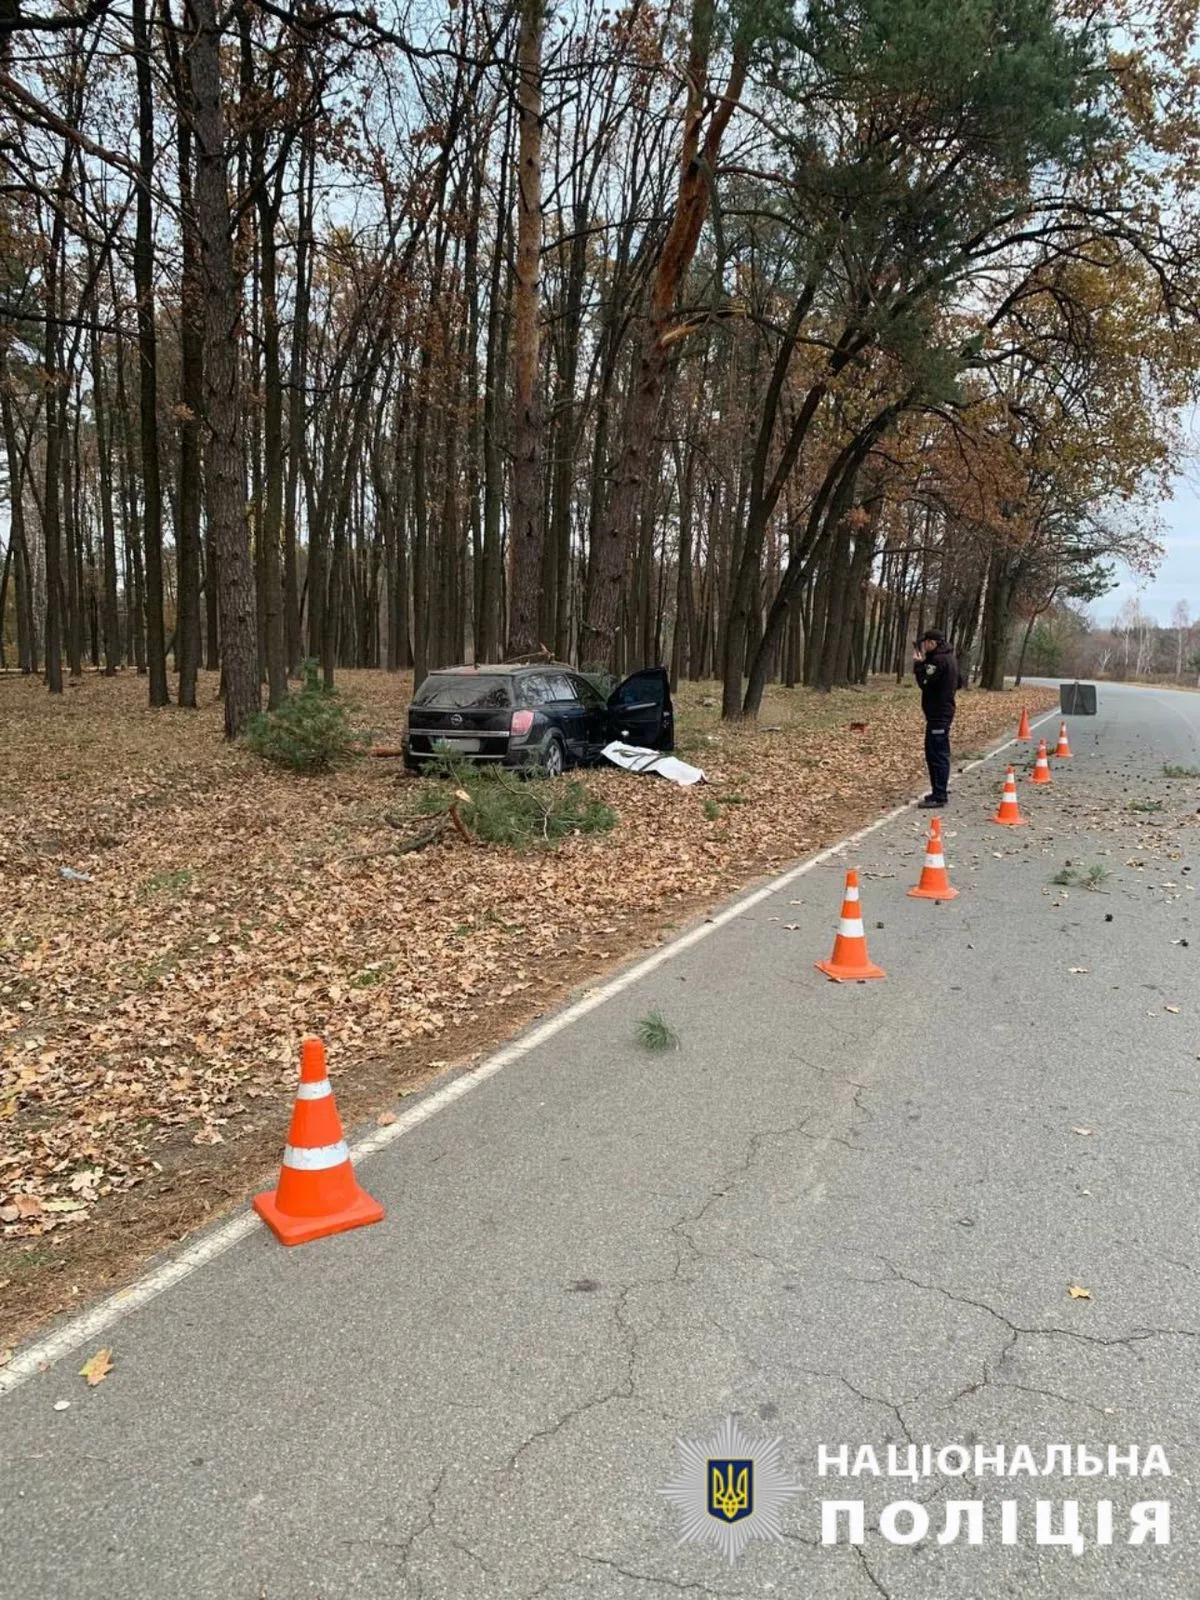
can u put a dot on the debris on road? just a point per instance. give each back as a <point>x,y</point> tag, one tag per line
<point>97,1368</point>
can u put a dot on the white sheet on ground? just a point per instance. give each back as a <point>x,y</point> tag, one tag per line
<point>636,759</point>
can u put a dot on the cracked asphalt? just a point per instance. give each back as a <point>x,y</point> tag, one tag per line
<point>846,1215</point>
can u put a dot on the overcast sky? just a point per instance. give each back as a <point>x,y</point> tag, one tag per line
<point>1178,577</point>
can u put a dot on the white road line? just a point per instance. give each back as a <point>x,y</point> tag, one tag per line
<point>82,1329</point>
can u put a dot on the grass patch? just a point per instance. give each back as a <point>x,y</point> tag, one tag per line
<point>373,975</point>
<point>711,810</point>
<point>655,1033</point>
<point>1170,771</point>
<point>1093,877</point>
<point>1145,805</point>
<point>169,882</point>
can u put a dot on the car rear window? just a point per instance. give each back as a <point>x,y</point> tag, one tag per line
<point>457,692</point>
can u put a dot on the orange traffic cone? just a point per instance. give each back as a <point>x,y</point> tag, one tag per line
<point>849,960</point>
<point>1062,751</point>
<point>317,1192</point>
<point>1023,731</point>
<point>1009,815</point>
<point>1041,767</point>
<point>934,884</point>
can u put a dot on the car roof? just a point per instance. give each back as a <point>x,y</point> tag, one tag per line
<point>505,669</point>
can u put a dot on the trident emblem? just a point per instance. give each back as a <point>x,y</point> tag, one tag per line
<point>730,1494</point>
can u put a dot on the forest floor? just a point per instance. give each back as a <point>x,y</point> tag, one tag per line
<point>177,915</point>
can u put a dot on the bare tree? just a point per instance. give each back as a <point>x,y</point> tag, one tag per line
<point>1181,621</point>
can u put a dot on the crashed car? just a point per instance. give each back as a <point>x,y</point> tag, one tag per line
<point>545,716</point>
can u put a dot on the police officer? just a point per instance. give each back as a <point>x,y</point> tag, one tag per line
<point>936,672</point>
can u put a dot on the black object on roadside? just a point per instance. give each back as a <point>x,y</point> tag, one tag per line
<point>1077,699</point>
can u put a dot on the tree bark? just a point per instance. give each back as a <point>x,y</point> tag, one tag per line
<point>22,576</point>
<point>222,395</point>
<point>110,625</point>
<point>297,377</point>
<point>143,278</point>
<point>526,516</point>
<point>271,528</point>
<point>996,603</point>
<point>70,526</point>
<point>51,527</point>
<point>191,396</point>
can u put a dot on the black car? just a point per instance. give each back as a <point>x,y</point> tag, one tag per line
<point>546,716</point>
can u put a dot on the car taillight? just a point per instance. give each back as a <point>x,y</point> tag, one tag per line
<point>521,723</point>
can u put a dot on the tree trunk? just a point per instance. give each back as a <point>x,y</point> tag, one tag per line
<point>135,633</point>
<point>143,278</point>
<point>701,148</point>
<point>681,643</point>
<point>71,539</point>
<point>489,613</point>
<point>4,577</point>
<point>51,528</point>
<point>191,384</point>
<point>222,396</point>
<point>110,626</point>
<point>995,621</point>
<point>526,517</point>
<point>271,527</point>
<point>22,576</point>
<point>297,376</point>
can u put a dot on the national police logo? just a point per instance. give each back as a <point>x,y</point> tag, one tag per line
<point>731,1489</point>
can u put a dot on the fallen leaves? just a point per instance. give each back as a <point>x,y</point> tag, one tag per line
<point>1084,1132</point>
<point>97,1368</point>
<point>1076,1293</point>
<point>227,915</point>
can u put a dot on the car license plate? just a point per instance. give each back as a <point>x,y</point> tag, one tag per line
<point>460,747</point>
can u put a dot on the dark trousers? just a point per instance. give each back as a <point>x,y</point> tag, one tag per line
<point>937,756</point>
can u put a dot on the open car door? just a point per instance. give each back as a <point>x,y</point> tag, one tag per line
<point>640,710</point>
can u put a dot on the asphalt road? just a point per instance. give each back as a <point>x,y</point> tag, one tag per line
<point>845,1215</point>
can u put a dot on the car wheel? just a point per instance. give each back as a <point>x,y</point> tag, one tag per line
<point>552,758</point>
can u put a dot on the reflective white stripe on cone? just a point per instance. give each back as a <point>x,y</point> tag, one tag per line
<point>317,1158</point>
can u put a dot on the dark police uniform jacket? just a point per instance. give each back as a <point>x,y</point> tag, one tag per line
<point>937,677</point>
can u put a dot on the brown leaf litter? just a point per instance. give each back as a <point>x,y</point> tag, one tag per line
<point>213,910</point>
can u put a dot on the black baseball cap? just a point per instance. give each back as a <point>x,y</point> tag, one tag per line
<point>932,633</point>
